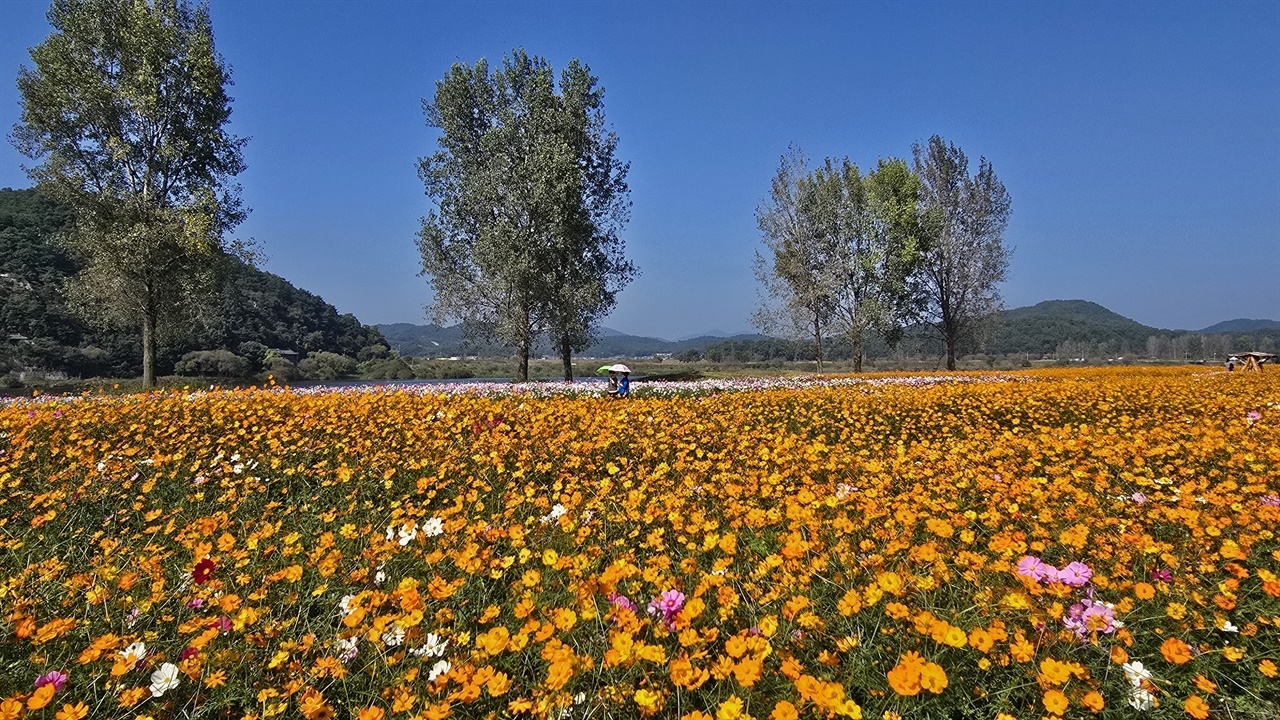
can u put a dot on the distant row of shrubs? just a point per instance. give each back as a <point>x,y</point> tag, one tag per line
<point>316,366</point>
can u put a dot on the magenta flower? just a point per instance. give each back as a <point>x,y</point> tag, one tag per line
<point>1162,575</point>
<point>668,604</point>
<point>1138,498</point>
<point>202,570</point>
<point>1089,616</point>
<point>1027,566</point>
<point>1075,574</point>
<point>622,602</point>
<point>54,678</point>
<point>1253,415</point>
<point>1045,573</point>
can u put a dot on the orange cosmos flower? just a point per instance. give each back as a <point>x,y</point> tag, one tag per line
<point>1144,591</point>
<point>1093,700</point>
<point>1268,668</point>
<point>1055,702</point>
<point>73,712</point>
<point>372,713</point>
<point>905,679</point>
<point>41,697</point>
<point>933,678</point>
<point>784,710</point>
<point>1175,651</point>
<point>1206,685</point>
<point>1196,707</point>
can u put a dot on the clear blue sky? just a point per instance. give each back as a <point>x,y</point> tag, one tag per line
<point>1140,141</point>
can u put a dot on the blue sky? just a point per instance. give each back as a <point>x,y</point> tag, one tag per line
<point>1140,142</point>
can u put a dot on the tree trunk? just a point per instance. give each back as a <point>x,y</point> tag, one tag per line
<point>566,354</point>
<point>523,373</point>
<point>951,353</point>
<point>149,345</point>
<point>817,340</point>
<point>857,352</point>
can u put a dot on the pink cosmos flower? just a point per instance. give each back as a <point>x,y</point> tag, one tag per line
<point>1089,616</point>
<point>54,678</point>
<point>668,604</point>
<point>1075,574</point>
<point>623,602</point>
<point>1045,573</point>
<point>1027,566</point>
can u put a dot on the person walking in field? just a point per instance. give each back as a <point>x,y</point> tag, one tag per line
<point>619,380</point>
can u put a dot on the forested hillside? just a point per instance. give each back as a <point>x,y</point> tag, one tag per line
<point>255,310</point>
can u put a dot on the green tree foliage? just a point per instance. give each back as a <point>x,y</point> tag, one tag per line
<point>842,251</point>
<point>125,108</point>
<point>964,219</point>
<point>795,270</point>
<point>251,312</point>
<point>530,200</point>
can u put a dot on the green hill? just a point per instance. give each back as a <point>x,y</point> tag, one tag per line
<point>255,310</point>
<point>1041,328</point>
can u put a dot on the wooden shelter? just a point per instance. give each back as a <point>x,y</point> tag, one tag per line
<point>1253,360</point>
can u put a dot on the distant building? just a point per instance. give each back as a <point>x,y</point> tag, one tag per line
<point>289,355</point>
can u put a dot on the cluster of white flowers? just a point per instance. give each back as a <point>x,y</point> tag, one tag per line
<point>348,648</point>
<point>433,647</point>
<point>556,511</point>
<point>433,527</point>
<point>1139,697</point>
<point>590,388</point>
<point>440,668</point>
<point>404,534</point>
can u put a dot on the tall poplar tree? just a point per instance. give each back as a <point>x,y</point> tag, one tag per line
<point>964,218</point>
<point>796,269</point>
<point>530,200</point>
<point>842,249</point>
<point>126,109</point>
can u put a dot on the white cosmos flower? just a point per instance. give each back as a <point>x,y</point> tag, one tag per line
<point>1136,672</point>
<point>556,511</point>
<point>440,668</point>
<point>433,527</point>
<point>1140,699</point>
<point>393,637</point>
<point>138,651</point>
<point>164,679</point>
<point>1227,626</point>
<point>379,577</point>
<point>406,534</point>
<point>345,604</point>
<point>348,648</point>
<point>433,647</point>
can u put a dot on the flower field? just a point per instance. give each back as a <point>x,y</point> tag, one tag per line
<point>1084,543</point>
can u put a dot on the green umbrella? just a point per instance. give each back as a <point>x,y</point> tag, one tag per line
<point>602,369</point>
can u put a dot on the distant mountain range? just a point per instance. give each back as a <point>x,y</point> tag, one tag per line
<point>1037,329</point>
<point>1241,325</point>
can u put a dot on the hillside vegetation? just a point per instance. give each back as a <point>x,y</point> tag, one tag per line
<point>254,312</point>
